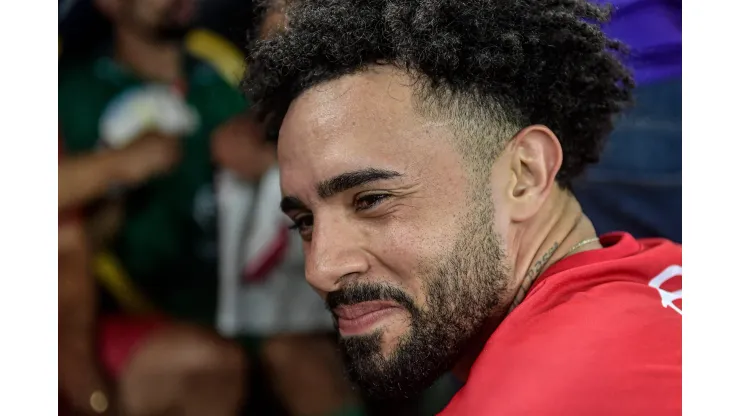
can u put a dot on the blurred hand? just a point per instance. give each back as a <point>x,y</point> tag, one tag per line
<point>149,155</point>
<point>151,107</point>
<point>240,146</point>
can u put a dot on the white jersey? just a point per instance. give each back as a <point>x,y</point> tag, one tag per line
<point>263,290</point>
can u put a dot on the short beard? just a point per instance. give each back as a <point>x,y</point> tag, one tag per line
<point>463,289</point>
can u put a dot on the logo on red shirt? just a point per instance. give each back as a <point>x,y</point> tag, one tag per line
<point>665,284</point>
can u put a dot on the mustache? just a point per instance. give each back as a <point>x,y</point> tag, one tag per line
<point>365,292</point>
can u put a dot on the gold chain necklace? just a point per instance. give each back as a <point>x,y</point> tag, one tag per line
<point>581,244</point>
<point>528,282</point>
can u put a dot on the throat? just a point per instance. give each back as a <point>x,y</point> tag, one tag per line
<point>570,232</point>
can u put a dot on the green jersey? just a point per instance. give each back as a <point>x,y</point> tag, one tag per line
<point>167,245</point>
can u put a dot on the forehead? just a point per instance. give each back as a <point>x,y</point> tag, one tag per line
<point>359,121</point>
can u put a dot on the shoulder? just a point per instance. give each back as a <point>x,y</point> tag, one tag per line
<point>627,274</point>
<point>599,343</point>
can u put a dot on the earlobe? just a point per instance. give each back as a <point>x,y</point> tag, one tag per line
<point>536,157</point>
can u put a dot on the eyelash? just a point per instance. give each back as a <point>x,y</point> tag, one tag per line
<point>297,224</point>
<point>374,198</point>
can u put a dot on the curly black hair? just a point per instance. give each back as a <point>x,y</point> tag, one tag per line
<point>505,63</point>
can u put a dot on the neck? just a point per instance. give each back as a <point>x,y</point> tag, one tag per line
<point>540,243</point>
<point>548,239</point>
<point>152,60</point>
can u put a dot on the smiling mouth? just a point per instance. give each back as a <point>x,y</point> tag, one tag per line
<point>361,318</point>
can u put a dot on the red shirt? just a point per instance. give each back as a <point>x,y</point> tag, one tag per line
<point>598,334</point>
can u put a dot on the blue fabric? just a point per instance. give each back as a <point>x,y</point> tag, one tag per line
<point>652,30</point>
<point>636,187</point>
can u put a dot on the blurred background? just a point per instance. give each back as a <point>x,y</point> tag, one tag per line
<point>181,291</point>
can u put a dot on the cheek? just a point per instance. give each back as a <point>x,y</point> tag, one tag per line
<point>412,242</point>
<point>501,203</point>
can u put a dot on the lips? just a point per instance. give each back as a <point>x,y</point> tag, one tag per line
<point>362,317</point>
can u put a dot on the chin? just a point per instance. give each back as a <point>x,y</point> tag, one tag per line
<point>389,341</point>
<point>388,337</point>
<point>386,364</point>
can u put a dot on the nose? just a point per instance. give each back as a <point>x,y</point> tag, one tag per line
<point>335,252</point>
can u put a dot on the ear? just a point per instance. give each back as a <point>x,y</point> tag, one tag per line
<point>536,157</point>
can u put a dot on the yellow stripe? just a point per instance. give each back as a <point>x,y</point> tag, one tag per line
<point>217,51</point>
<point>112,276</point>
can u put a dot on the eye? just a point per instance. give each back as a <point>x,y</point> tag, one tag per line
<point>368,201</point>
<point>304,225</point>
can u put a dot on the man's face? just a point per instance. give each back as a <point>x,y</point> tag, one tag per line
<point>161,19</point>
<point>399,239</point>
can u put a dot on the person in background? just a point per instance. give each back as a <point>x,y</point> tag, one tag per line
<point>636,186</point>
<point>265,301</point>
<point>137,115</point>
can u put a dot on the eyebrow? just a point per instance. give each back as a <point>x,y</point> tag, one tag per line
<point>338,184</point>
<point>291,203</point>
<point>348,180</point>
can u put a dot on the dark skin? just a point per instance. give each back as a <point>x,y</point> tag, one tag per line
<point>79,372</point>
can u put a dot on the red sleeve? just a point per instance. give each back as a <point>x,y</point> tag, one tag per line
<point>610,349</point>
